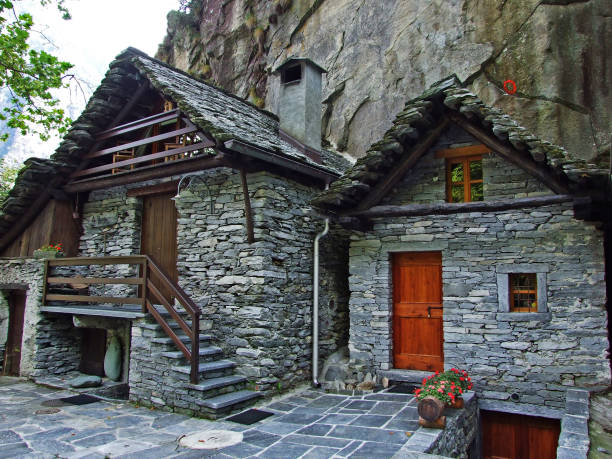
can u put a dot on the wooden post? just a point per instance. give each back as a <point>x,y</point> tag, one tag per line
<point>247,208</point>
<point>143,290</point>
<point>195,347</point>
<point>45,276</point>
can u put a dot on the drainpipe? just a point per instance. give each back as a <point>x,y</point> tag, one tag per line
<point>315,307</point>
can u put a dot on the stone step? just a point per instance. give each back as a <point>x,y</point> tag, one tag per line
<point>208,351</point>
<point>227,400</point>
<point>183,338</point>
<point>409,376</point>
<point>216,383</point>
<point>207,367</point>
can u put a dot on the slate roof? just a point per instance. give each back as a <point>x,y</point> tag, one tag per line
<point>420,116</point>
<point>222,115</point>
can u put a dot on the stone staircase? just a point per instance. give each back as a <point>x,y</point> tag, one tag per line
<point>219,391</point>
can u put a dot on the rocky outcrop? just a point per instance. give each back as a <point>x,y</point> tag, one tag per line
<point>380,54</point>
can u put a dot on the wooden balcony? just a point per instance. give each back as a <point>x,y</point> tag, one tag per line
<point>80,286</point>
<point>159,141</point>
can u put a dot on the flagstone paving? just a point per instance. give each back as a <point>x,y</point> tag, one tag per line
<point>307,424</point>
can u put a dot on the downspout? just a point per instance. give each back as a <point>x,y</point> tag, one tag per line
<point>315,307</point>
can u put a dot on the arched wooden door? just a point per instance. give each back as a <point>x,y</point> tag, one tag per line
<point>418,337</point>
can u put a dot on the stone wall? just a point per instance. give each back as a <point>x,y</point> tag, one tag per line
<point>50,344</point>
<point>458,439</point>
<point>535,355</point>
<point>256,298</point>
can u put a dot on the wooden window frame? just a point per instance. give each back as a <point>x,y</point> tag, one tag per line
<point>512,291</point>
<point>467,181</point>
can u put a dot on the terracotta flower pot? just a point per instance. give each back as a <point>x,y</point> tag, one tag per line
<point>439,423</point>
<point>457,404</point>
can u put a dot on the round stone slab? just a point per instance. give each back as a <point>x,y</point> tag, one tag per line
<point>211,439</point>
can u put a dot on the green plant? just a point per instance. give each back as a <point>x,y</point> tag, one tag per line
<point>279,386</point>
<point>250,20</point>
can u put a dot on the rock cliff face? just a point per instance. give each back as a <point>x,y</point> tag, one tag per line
<point>379,54</point>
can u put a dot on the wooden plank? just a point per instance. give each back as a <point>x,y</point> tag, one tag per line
<point>27,217</point>
<point>412,210</point>
<point>509,153</point>
<point>460,152</point>
<point>96,280</point>
<point>247,207</point>
<point>93,299</point>
<point>137,143</point>
<point>168,330</point>
<point>144,159</point>
<point>86,310</point>
<point>84,261</point>
<point>166,187</point>
<point>384,186</point>
<point>138,124</point>
<point>169,168</point>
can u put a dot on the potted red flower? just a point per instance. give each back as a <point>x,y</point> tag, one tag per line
<point>440,390</point>
<point>49,251</point>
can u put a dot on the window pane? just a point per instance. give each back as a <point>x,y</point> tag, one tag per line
<point>476,170</point>
<point>476,191</point>
<point>456,172</point>
<point>457,194</point>
<point>523,292</point>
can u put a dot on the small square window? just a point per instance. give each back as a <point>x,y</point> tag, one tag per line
<point>523,292</point>
<point>291,74</point>
<point>464,179</point>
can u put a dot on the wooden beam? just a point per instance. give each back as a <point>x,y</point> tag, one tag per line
<point>161,188</point>
<point>282,161</point>
<point>522,160</point>
<point>413,210</point>
<point>145,158</point>
<point>409,159</point>
<point>461,152</point>
<point>179,166</point>
<point>138,124</point>
<point>247,208</point>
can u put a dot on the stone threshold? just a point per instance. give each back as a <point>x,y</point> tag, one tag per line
<point>409,376</point>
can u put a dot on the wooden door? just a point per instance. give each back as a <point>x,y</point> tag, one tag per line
<point>12,353</point>
<point>514,436</point>
<point>158,239</point>
<point>93,349</point>
<point>417,311</point>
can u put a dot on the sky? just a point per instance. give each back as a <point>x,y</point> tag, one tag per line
<point>97,32</point>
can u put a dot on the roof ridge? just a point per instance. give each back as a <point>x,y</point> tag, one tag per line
<point>136,51</point>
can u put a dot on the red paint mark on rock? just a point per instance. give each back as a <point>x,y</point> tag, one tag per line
<point>510,86</point>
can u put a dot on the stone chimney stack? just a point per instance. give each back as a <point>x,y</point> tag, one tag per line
<point>298,100</point>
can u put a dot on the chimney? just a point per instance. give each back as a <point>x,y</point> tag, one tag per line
<point>299,102</point>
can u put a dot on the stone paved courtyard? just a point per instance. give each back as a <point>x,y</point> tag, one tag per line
<point>306,424</point>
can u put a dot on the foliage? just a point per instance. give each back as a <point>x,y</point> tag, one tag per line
<point>52,248</point>
<point>8,174</point>
<point>29,76</point>
<point>445,386</point>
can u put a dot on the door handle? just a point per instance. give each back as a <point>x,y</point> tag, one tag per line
<point>429,308</point>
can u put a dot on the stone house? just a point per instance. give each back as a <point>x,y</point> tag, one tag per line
<point>476,245</point>
<point>183,212</point>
